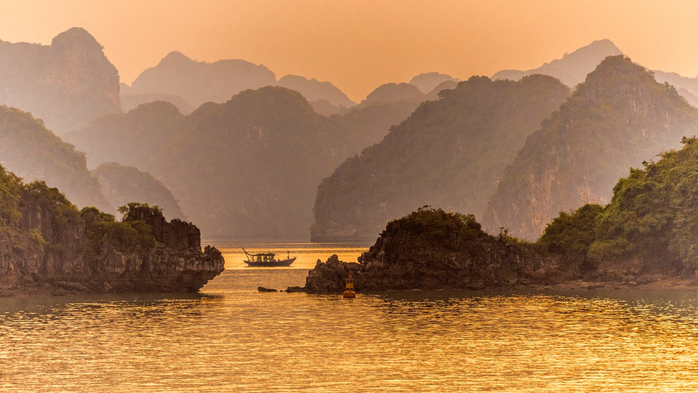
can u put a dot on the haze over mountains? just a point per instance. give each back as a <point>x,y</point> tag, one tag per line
<point>448,153</point>
<point>66,84</point>
<point>619,117</point>
<point>244,153</point>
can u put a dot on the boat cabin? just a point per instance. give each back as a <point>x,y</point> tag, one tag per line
<point>266,257</point>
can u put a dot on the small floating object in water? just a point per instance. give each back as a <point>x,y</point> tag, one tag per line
<point>266,259</point>
<point>349,289</point>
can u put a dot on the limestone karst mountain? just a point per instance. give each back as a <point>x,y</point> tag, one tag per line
<point>32,152</point>
<point>199,82</point>
<point>618,118</point>
<point>445,85</point>
<point>48,246</point>
<point>133,101</point>
<point>66,84</point>
<point>394,92</point>
<point>428,81</point>
<point>449,153</point>
<point>250,167</point>
<point>128,138</point>
<point>573,67</point>
<point>122,185</point>
<point>314,90</point>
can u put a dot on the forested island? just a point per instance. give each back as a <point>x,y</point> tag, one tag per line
<point>645,236</point>
<point>48,246</point>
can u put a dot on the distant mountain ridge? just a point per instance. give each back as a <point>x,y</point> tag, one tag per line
<point>313,90</point>
<point>66,84</point>
<point>572,68</point>
<point>448,153</point>
<point>199,82</point>
<point>428,81</point>
<point>619,117</point>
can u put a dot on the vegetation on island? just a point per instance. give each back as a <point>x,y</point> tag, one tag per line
<point>618,118</point>
<point>653,217</point>
<point>33,152</point>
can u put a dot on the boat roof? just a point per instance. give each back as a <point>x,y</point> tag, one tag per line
<point>262,254</point>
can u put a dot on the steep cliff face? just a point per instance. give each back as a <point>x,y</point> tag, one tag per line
<point>432,249</point>
<point>66,84</point>
<point>31,151</point>
<point>47,245</point>
<point>616,119</point>
<point>199,82</point>
<point>122,185</point>
<point>449,153</point>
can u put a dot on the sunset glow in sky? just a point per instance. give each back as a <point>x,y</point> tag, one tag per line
<point>361,44</point>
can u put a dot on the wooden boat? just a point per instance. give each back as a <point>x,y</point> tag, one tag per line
<point>266,259</point>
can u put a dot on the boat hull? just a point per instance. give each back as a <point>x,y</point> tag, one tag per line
<point>285,262</point>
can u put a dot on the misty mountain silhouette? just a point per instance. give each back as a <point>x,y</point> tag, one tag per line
<point>66,84</point>
<point>32,152</point>
<point>128,138</point>
<point>314,90</point>
<point>122,185</point>
<point>249,167</point>
<point>572,68</point>
<point>617,118</point>
<point>448,153</point>
<point>132,101</point>
<point>426,82</point>
<point>199,82</point>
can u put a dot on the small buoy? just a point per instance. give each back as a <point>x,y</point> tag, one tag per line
<point>349,290</point>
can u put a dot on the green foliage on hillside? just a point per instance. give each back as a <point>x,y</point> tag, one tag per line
<point>32,152</point>
<point>653,216</point>
<point>44,216</point>
<point>125,236</point>
<point>617,118</point>
<point>448,153</point>
<point>434,227</point>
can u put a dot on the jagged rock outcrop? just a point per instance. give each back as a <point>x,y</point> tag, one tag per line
<point>618,118</point>
<point>199,82</point>
<point>431,249</point>
<point>66,84</point>
<point>449,153</point>
<point>32,152</point>
<point>48,246</point>
<point>122,185</point>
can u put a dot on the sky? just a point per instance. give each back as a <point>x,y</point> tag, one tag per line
<point>361,44</point>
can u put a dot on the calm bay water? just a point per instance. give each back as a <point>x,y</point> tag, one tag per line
<point>233,338</point>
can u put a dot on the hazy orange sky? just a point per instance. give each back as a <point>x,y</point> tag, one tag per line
<point>361,44</point>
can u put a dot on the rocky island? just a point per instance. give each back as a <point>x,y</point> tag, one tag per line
<point>48,246</point>
<point>644,237</point>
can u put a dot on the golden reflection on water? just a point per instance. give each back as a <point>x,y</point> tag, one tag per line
<point>307,253</point>
<point>237,339</point>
